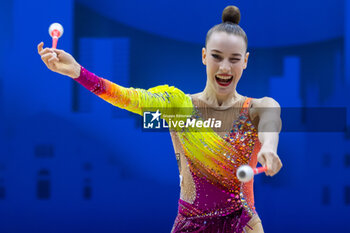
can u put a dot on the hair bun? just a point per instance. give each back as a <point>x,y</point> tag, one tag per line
<point>231,14</point>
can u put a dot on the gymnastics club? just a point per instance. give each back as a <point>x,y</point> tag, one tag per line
<point>245,173</point>
<point>55,31</point>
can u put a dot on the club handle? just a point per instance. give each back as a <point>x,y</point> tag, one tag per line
<point>54,42</point>
<point>55,35</point>
<point>259,170</point>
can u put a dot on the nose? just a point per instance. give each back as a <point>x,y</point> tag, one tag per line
<point>225,66</point>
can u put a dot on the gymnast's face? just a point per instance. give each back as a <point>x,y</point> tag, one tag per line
<point>225,58</point>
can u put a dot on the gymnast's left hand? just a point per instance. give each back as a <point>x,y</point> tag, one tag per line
<point>269,158</point>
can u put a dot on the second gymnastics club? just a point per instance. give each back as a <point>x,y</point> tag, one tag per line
<point>245,173</point>
<point>55,31</point>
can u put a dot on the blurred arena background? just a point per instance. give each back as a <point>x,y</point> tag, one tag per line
<point>70,162</point>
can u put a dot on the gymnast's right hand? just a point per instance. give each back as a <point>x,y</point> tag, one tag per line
<point>59,61</point>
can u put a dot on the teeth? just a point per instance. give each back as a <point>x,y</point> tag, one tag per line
<point>224,77</point>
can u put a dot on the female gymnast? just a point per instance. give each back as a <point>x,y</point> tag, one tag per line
<point>212,199</point>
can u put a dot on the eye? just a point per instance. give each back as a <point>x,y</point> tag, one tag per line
<point>235,59</point>
<point>216,56</point>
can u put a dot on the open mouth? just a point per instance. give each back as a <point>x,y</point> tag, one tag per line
<point>223,82</point>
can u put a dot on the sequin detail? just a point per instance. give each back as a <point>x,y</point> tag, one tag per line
<point>213,162</point>
<point>134,100</point>
<point>212,159</point>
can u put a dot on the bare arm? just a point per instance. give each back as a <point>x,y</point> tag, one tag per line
<point>270,124</point>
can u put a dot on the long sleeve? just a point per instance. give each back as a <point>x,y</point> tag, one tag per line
<point>131,99</point>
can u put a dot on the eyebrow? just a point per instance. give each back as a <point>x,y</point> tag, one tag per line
<point>233,54</point>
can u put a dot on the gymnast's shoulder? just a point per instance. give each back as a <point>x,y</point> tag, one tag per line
<point>264,102</point>
<point>264,105</point>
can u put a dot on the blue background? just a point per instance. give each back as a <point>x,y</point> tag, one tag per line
<point>70,162</point>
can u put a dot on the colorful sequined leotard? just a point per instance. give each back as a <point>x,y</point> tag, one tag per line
<point>212,198</point>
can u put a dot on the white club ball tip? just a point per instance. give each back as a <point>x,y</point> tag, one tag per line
<point>245,173</point>
<point>56,26</point>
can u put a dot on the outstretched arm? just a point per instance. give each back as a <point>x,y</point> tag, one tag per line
<point>134,100</point>
<point>268,111</point>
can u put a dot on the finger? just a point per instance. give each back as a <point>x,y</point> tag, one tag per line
<point>274,164</point>
<point>278,165</point>
<point>48,55</point>
<point>46,50</point>
<point>261,159</point>
<point>58,51</point>
<point>52,62</point>
<point>46,58</point>
<point>269,165</point>
<point>53,59</point>
<point>40,46</point>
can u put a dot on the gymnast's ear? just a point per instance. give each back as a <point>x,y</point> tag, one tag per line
<point>204,56</point>
<point>246,60</point>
